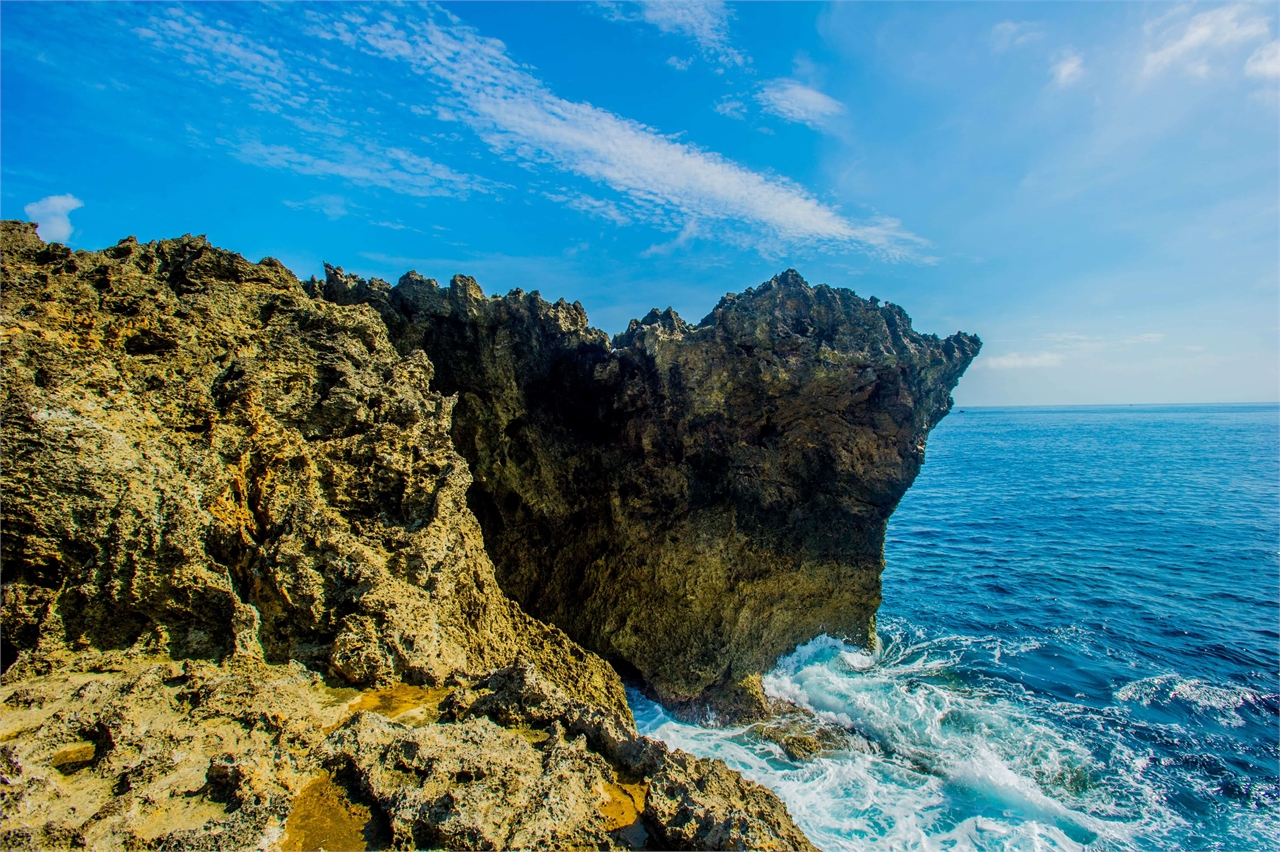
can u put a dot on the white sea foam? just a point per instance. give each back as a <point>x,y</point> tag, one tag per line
<point>1162,690</point>
<point>961,769</point>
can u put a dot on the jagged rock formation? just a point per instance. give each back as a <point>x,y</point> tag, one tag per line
<point>690,502</point>
<point>220,491</point>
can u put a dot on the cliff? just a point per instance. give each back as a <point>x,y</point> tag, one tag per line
<point>246,603</point>
<point>688,501</point>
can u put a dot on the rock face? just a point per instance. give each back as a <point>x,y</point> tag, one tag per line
<point>688,501</point>
<point>246,605</point>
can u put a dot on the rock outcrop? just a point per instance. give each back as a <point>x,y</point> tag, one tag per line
<point>246,604</point>
<point>690,502</point>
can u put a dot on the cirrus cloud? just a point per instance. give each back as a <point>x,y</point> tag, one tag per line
<point>706,22</point>
<point>1265,61</point>
<point>1068,69</point>
<point>794,101</point>
<point>661,181</point>
<point>1019,361</point>
<point>1193,45</point>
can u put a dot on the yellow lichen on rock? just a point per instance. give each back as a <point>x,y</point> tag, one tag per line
<point>623,804</point>
<point>324,818</point>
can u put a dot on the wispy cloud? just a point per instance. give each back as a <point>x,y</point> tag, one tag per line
<point>731,107</point>
<point>1018,361</point>
<point>301,96</point>
<point>50,214</point>
<point>223,55</point>
<point>679,64</point>
<point>1265,62</point>
<point>391,168</point>
<point>1074,347</point>
<point>686,235</point>
<point>1191,44</point>
<point>1068,69</point>
<point>1007,34</point>
<point>706,22</point>
<point>794,101</point>
<point>583,203</point>
<point>660,179</point>
<point>333,206</point>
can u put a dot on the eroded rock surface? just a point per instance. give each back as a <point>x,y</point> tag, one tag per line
<point>119,750</point>
<point>690,502</point>
<point>242,583</point>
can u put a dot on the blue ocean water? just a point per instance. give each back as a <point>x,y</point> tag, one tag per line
<point>1078,645</point>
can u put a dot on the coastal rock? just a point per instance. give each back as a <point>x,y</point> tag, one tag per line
<point>802,736</point>
<point>690,502</point>
<point>243,585</point>
<point>200,459</point>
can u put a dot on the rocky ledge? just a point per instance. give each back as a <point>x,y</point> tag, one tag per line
<point>338,564</point>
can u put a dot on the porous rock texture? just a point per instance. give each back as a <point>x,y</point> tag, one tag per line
<point>241,582</point>
<point>690,502</point>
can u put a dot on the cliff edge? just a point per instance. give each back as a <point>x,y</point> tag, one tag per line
<point>689,501</point>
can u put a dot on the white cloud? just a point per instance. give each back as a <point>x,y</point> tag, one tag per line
<point>794,101</point>
<point>1018,361</point>
<point>687,233</point>
<point>1068,69</point>
<point>223,55</point>
<point>679,64</point>
<point>333,206</point>
<point>1007,34</point>
<point>706,22</point>
<point>732,108</point>
<point>51,216</point>
<point>1192,45</point>
<point>391,168</point>
<point>1150,337</point>
<point>661,179</point>
<point>583,203</point>
<point>1265,61</point>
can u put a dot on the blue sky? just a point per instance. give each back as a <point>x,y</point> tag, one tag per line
<point>1092,188</point>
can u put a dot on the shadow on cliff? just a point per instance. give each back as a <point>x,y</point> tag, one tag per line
<point>688,501</point>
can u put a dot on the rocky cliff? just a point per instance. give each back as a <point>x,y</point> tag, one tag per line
<point>688,501</point>
<point>246,603</point>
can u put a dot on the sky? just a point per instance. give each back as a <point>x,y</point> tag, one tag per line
<point>1090,187</point>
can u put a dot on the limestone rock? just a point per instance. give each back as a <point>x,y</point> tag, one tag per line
<point>201,459</point>
<point>690,502</point>
<point>222,489</point>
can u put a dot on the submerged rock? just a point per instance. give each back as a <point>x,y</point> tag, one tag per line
<point>691,502</point>
<point>246,604</point>
<point>802,736</point>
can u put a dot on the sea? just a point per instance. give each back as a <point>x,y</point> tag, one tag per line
<point>1078,646</point>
